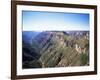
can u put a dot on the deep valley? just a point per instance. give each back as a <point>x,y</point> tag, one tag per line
<point>55,49</point>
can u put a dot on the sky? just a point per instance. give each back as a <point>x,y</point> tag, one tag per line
<point>57,21</point>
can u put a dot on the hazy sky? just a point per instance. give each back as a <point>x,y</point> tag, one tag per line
<point>41,21</point>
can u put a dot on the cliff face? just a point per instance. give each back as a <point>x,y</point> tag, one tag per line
<point>58,49</point>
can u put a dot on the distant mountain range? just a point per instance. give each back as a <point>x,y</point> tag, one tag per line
<point>55,49</point>
<point>28,35</point>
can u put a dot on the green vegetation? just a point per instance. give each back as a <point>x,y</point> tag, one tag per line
<point>84,58</point>
<point>32,64</point>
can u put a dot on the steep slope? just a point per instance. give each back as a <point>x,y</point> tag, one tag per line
<point>59,49</point>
